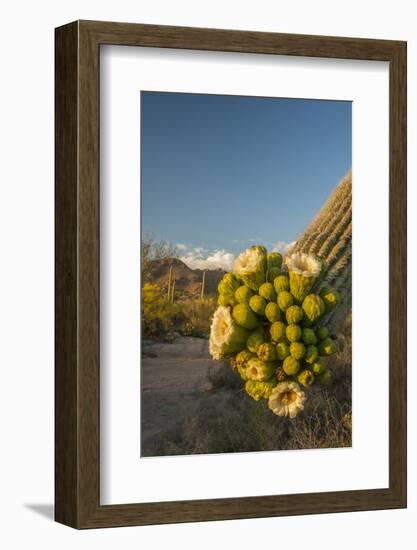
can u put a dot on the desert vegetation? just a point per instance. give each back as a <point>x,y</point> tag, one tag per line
<point>163,317</point>
<point>175,298</point>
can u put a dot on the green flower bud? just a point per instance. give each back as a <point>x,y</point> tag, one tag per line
<point>285,300</point>
<point>281,283</point>
<point>258,390</point>
<point>303,271</point>
<point>313,307</point>
<point>322,333</point>
<point>250,267</point>
<point>293,333</point>
<point>294,315</point>
<point>226,288</point>
<point>260,370</point>
<point>297,350</point>
<point>223,300</point>
<point>274,259</point>
<point>309,336</point>
<point>255,339</point>
<point>330,297</point>
<point>257,304</point>
<point>241,362</point>
<point>267,352</point>
<point>267,291</point>
<point>232,302</point>
<point>243,357</point>
<point>244,317</point>
<point>243,294</point>
<point>282,350</point>
<point>311,354</point>
<point>272,273</point>
<point>228,285</point>
<point>291,365</point>
<point>277,331</point>
<point>305,378</point>
<point>317,367</point>
<point>327,347</point>
<point>325,378</point>
<point>272,312</point>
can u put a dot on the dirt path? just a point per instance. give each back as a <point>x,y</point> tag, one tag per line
<point>172,384</point>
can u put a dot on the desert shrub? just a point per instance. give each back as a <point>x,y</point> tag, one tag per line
<point>197,314</point>
<point>227,421</point>
<point>223,377</point>
<point>158,314</point>
<point>190,317</point>
<point>324,423</point>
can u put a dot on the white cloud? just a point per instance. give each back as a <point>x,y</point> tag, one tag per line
<point>200,258</point>
<point>283,247</point>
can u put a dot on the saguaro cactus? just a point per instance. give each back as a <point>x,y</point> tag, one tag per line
<point>169,284</point>
<point>203,286</point>
<point>329,236</point>
<point>173,292</point>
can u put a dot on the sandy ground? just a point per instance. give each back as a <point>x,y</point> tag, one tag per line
<point>172,384</point>
<point>183,413</point>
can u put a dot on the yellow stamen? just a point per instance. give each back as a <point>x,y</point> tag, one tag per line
<point>288,397</point>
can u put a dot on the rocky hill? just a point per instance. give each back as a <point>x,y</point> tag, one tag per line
<point>187,281</point>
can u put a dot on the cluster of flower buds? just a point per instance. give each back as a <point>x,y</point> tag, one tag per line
<point>270,324</point>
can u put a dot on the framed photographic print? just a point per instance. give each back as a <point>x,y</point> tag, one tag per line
<point>230,274</point>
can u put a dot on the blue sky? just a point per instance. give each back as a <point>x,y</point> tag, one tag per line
<point>219,173</point>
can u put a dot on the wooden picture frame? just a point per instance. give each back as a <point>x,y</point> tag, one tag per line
<point>77,374</point>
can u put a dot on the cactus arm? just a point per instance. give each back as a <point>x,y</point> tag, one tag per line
<point>332,211</point>
<point>169,283</point>
<point>329,235</point>
<point>203,286</point>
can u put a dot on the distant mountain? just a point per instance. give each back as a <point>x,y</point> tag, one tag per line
<point>187,281</point>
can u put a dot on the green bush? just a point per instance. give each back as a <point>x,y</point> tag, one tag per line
<point>191,317</point>
<point>197,314</point>
<point>158,314</point>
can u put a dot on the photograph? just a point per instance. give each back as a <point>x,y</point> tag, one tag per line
<point>246,266</point>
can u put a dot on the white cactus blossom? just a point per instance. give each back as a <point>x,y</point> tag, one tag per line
<point>225,336</point>
<point>286,399</point>
<point>250,267</point>
<point>303,264</point>
<point>248,261</point>
<point>303,271</point>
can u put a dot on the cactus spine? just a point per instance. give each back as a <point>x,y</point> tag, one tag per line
<point>203,286</point>
<point>329,236</point>
<point>169,298</point>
